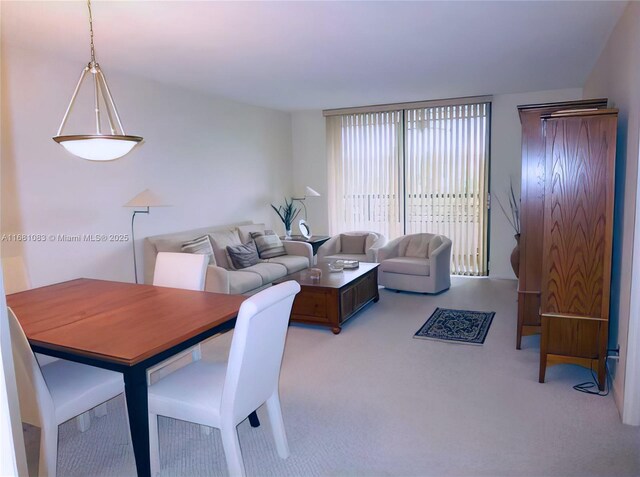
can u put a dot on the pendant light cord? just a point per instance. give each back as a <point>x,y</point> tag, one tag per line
<point>93,51</point>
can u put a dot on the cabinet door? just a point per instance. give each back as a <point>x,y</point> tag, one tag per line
<point>532,208</point>
<point>578,226</point>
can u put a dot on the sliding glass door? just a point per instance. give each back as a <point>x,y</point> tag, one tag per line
<point>446,179</point>
<point>420,169</point>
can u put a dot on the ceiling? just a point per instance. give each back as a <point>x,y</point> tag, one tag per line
<point>316,55</point>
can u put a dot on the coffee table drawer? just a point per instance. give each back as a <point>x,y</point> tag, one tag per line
<point>358,294</point>
<point>312,306</point>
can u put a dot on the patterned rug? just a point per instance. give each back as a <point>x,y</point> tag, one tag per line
<point>457,326</point>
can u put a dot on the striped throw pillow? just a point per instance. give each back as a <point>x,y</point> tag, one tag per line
<point>268,244</point>
<point>200,245</point>
<point>243,256</point>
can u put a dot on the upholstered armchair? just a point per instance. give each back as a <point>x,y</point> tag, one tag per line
<point>418,263</point>
<point>359,245</point>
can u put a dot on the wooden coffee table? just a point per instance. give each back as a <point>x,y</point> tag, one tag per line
<point>335,297</point>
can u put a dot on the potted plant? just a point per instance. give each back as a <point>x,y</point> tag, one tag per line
<point>287,214</point>
<point>513,217</point>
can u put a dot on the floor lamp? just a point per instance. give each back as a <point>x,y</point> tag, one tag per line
<point>308,192</point>
<point>144,199</point>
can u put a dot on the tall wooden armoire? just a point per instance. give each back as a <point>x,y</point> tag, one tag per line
<point>580,149</point>
<point>532,209</point>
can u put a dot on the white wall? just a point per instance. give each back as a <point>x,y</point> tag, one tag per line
<point>616,75</point>
<point>215,161</point>
<point>310,165</point>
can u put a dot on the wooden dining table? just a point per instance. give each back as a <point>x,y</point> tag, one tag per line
<point>122,327</point>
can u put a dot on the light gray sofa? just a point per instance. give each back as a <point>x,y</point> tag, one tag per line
<point>221,277</point>
<point>418,263</point>
<point>334,249</point>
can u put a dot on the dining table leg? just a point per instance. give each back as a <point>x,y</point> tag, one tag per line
<point>135,387</point>
<point>253,419</point>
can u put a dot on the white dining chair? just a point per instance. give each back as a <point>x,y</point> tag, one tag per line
<point>187,271</point>
<point>54,393</point>
<point>16,279</point>
<point>181,270</point>
<point>222,396</point>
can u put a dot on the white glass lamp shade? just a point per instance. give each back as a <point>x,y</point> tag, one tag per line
<point>98,147</point>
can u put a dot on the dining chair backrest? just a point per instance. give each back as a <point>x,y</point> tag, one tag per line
<point>255,357</point>
<point>36,404</point>
<point>16,278</point>
<point>181,270</point>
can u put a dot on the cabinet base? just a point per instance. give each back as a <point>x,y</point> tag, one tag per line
<point>593,364</point>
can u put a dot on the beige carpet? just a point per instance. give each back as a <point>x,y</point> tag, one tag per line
<point>375,401</point>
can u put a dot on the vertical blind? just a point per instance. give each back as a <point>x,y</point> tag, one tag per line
<point>414,170</point>
<point>446,179</point>
<point>365,172</point>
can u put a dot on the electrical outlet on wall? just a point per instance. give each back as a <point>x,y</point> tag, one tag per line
<point>614,354</point>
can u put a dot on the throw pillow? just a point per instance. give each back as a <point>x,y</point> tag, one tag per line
<point>269,245</point>
<point>201,245</point>
<point>243,256</point>
<point>244,231</point>
<point>418,246</point>
<point>220,240</point>
<point>352,243</point>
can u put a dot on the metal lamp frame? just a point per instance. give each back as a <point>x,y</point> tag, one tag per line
<point>101,89</point>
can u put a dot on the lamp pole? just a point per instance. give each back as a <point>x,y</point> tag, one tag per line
<point>301,200</point>
<point>133,240</point>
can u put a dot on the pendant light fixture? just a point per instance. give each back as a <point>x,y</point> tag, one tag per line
<point>98,146</point>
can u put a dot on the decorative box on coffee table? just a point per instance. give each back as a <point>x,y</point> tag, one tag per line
<point>335,296</point>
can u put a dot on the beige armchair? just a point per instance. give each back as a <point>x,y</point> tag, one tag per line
<point>418,263</point>
<point>359,245</point>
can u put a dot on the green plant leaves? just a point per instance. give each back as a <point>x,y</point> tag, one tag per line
<point>287,213</point>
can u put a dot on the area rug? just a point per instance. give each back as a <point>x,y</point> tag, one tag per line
<point>457,326</point>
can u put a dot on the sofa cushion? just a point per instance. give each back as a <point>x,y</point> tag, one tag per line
<point>267,271</point>
<point>168,245</point>
<point>406,266</point>
<point>269,245</point>
<point>434,244</point>
<point>221,240</point>
<point>352,243</point>
<point>241,281</point>
<point>244,231</point>
<point>361,257</point>
<point>293,263</point>
<point>418,246</point>
<point>201,245</point>
<point>243,255</point>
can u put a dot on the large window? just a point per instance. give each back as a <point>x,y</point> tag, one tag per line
<point>422,168</point>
